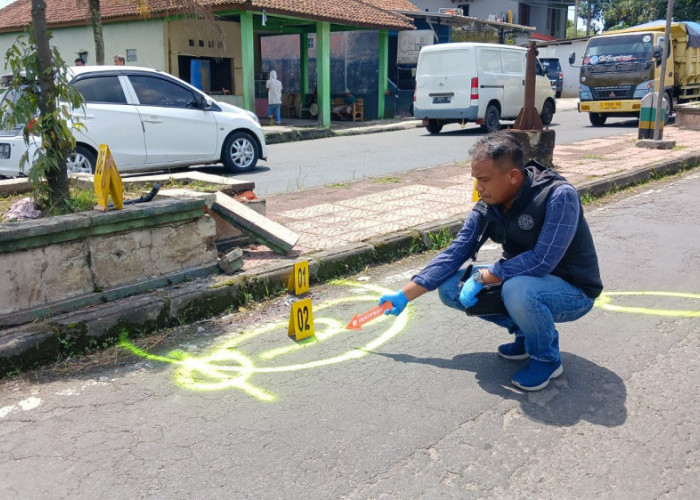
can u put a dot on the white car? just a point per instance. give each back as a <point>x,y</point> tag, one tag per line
<point>12,147</point>
<point>153,121</point>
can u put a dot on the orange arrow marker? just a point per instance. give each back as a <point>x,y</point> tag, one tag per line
<point>360,319</point>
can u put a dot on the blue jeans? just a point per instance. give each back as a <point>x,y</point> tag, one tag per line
<point>534,305</point>
<point>275,109</point>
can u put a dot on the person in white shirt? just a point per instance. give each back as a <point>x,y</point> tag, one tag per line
<point>274,97</point>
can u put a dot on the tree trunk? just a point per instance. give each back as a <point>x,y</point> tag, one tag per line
<point>57,178</point>
<point>96,20</point>
<point>588,19</point>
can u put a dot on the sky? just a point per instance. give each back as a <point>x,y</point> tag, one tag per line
<point>5,2</point>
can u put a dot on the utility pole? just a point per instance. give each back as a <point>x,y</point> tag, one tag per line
<point>588,19</point>
<point>662,77</point>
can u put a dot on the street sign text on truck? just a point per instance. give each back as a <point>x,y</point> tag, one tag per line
<point>620,67</point>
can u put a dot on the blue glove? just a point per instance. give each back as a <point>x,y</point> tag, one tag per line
<point>398,300</point>
<point>468,294</point>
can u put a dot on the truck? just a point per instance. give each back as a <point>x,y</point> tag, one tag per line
<point>620,67</point>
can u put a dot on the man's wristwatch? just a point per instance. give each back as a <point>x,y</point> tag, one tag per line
<point>478,277</point>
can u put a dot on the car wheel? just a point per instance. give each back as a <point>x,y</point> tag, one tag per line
<point>597,119</point>
<point>547,112</point>
<point>434,126</point>
<point>81,161</point>
<point>492,119</point>
<point>557,94</point>
<point>240,152</point>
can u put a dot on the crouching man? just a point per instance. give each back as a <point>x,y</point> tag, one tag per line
<point>549,268</point>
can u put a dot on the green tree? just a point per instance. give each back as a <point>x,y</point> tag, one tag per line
<point>42,107</point>
<point>592,10</point>
<point>626,13</point>
<point>44,100</point>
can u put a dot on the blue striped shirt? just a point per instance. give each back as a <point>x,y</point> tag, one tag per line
<point>558,230</point>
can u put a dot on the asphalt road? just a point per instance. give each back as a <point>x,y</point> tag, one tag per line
<point>297,165</point>
<point>414,407</point>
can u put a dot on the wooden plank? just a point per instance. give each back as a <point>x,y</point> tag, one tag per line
<point>268,232</point>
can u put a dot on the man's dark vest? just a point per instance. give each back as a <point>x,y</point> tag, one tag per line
<point>520,228</point>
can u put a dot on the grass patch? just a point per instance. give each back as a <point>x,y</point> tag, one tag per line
<point>385,180</point>
<point>441,239</point>
<point>339,185</point>
<point>83,198</point>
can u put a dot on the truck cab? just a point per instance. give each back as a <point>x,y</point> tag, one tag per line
<point>618,70</point>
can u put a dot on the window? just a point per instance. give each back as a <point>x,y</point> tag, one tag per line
<point>444,62</point>
<point>131,55</point>
<point>101,89</point>
<point>160,92</point>
<point>490,60</point>
<point>513,62</point>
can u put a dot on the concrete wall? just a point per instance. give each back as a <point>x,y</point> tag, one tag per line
<point>561,50</point>
<point>94,252</point>
<point>144,36</point>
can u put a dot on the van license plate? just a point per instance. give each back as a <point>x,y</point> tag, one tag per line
<point>441,100</point>
<point>610,105</point>
<point>4,151</point>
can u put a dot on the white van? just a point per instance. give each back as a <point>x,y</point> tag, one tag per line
<point>475,82</point>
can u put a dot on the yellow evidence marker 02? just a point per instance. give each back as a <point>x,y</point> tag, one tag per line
<point>298,281</point>
<point>107,181</point>
<point>301,320</point>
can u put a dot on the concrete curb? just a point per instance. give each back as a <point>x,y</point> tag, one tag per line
<point>30,345</point>
<point>305,134</point>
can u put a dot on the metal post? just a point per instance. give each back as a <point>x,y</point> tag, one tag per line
<point>304,60</point>
<point>662,77</point>
<point>248,60</point>
<point>528,118</point>
<point>323,72</point>
<point>383,71</point>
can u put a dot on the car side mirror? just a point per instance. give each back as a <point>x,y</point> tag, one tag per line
<point>202,103</point>
<point>572,57</point>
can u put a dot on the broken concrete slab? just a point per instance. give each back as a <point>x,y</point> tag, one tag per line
<point>232,261</point>
<point>181,177</point>
<point>260,228</point>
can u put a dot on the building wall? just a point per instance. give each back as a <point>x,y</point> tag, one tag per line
<point>497,10</point>
<point>200,39</point>
<point>481,9</point>
<point>144,36</point>
<point>561,50</point>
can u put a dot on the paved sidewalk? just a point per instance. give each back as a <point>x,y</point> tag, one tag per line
<point>337,215</point>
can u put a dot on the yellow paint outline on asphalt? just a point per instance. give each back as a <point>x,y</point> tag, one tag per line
<point>225,367</point>
<point>605,301</point>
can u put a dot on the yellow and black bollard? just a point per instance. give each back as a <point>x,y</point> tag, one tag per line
<point>647,117</point>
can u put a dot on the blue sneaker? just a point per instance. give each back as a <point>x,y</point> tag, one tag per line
<point>535,375</point>
<point>514,351</point>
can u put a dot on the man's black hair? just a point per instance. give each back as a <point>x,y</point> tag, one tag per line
<point>499,146</point>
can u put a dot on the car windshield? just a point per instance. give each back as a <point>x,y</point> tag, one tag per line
<point>619,49</point>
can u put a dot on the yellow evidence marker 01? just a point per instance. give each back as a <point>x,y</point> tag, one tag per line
<point>298,281</point>
<point>301,320</point>
<point>107,181</point>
